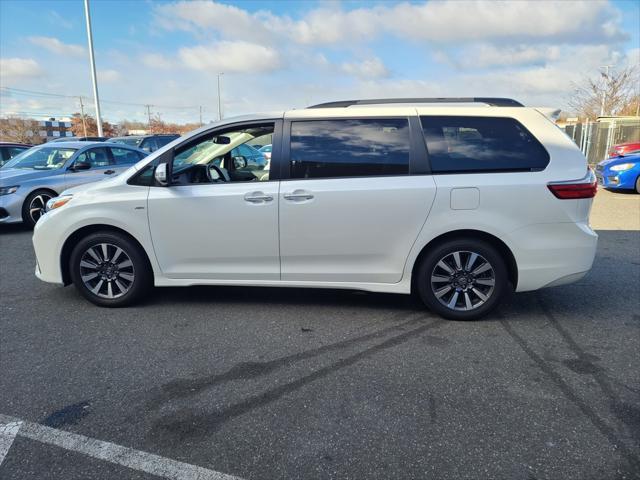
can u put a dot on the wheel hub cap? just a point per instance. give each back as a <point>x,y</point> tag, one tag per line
<point>463,280</point>
<point>107,270</point>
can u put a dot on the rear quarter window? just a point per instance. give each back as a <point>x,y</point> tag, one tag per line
<point>481,144</point>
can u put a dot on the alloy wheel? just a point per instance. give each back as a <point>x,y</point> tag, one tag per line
<point>107,270</point>
<point>37,206</point>
<point>463,280</point>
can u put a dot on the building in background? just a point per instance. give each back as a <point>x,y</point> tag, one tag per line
<point>28,130</point>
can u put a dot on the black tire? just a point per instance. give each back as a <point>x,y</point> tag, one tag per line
<point>125,271</point>
<point>431,275</point>
<point>638,184</point>
<point>35,200</point>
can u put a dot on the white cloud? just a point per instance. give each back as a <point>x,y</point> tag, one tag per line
<point>108,76</point>
<point>58,20</point>
<point>434,21</point>
<point>12,69</point>
<point>230,57</point>
<point>157,60</point>
<point>231,21</point>
<point>54,45</point>
<point>370,68</point>
<point>489,55</point>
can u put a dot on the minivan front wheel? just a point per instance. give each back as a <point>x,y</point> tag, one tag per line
<point>462,279</point>
<point>110,270</point>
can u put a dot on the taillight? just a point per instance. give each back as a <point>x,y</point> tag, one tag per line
<point>584,188</point>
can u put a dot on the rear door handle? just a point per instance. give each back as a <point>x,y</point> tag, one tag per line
<point>298,196</point>
<point>257,197</point>
<point>109,172</point>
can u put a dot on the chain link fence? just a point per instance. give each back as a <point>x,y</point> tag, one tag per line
<point>595,138</point>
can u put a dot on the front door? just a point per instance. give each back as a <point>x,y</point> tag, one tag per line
<point>219,218</point>
<point>350,211</point>
<point>100,167</point>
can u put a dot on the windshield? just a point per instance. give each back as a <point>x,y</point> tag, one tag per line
<point>133,141</point>
<point>45,158</point>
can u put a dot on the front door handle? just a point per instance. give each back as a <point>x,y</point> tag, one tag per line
<point>257,197</point>
<point>109,172</point>
<point>298,196</point>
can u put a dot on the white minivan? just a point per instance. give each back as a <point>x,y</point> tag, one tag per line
<point>458,199</point>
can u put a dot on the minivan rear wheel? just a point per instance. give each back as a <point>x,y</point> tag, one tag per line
<point>110,270</point>
<point>462,279</point>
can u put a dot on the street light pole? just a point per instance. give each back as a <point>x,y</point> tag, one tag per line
<point>84,123</point>
<point>604,90</point>
<point>219,99</point>
<point>93,68</point>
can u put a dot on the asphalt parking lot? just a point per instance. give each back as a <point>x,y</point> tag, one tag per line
<point>291,383</point>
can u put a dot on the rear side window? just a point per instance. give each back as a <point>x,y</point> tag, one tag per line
<point>123,156</point>
<point>349,148</point>
<point>481,144</point>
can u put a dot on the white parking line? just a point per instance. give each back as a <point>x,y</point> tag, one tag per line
<point>8,432</point>
<point>109,452</point>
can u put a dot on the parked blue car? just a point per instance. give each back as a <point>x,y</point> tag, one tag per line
<point>620,173</point>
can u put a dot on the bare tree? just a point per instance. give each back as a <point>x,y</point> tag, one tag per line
<point>21,130</point>
<point>78,128</point>
<point>608,94</point>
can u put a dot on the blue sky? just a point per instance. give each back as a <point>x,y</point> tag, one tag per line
<point>281,55</point>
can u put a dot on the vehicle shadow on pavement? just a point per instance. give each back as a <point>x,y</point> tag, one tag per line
<point>284,296</point>
<point>13,228</point>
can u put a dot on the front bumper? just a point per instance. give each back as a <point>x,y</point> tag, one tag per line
<point>47,245</point>
<point>617,180</point>
<point>11,208</point>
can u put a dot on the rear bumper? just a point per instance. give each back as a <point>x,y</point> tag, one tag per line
<point>553,254</point>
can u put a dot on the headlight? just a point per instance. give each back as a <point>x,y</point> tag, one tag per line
<point>622,167</point>
<point>8,190</point>
<point>58,202</point>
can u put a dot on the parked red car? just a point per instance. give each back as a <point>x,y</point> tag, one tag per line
<point>624,149</point>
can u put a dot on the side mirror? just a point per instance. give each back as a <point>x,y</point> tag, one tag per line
<point>80,166</point>
<point>239,163</point>
<point>160,174</point>
<point>222,140</point>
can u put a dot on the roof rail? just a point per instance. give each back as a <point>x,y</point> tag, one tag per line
<point>494,102</point>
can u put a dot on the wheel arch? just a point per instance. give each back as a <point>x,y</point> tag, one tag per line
<point>73,239</point>
<point>497,243</point>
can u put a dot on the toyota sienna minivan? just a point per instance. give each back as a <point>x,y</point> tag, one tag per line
<point>459,200</point>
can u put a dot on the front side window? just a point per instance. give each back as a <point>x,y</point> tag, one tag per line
<point>349,148</point>
<point>15,151</point>
<point>44,158</point>
<point>148,144</point>
<point>96,157</point>
<point>235,161</point>
<point>481,144</point>
<point>162,141</point>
